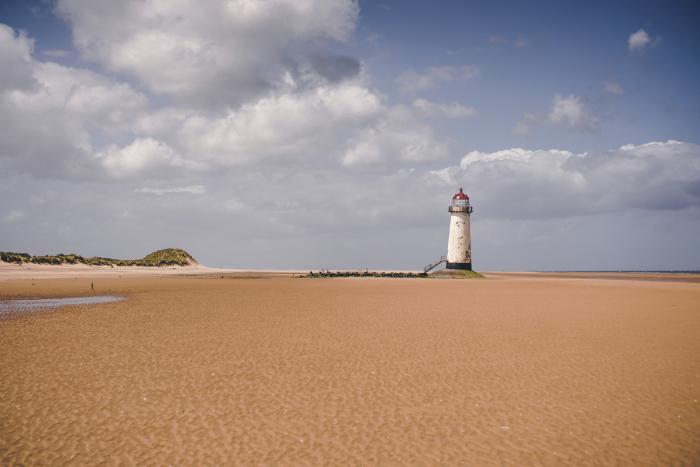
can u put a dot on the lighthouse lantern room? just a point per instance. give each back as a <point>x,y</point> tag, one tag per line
<point>459,245</point>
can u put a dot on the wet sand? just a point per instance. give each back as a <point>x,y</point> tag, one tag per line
<point>278,370</point>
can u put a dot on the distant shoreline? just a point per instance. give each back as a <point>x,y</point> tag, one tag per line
<point>659,276</point>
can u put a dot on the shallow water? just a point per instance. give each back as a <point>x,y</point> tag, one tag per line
<point>32,304</point>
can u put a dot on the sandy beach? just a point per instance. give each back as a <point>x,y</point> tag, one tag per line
<point>11,271</point>
<point>511,369</point>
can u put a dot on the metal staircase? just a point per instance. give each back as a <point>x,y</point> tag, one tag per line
<point>436,263</point>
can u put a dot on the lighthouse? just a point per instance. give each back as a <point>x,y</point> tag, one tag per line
<point>459,243</point>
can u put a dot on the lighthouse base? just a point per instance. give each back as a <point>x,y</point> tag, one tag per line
<point>463,266</point>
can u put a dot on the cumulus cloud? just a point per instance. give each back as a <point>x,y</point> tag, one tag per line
<point>213,52</point>
<point>15,59</point>
<point>640,40</point>
<point>335,120</point>
<point>36,135</point>
<point>49,112</point>
<point>570,110</point>
<point>141,157</point>
<point>87,96</point>
<point>281,126</point>
<point>394,142</point>
<point>522,183</point>
<point>565,110</point>
<point>342,124</point>
<point>411,81</point>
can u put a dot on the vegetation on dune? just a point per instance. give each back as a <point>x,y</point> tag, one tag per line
<point>166,257</point>
<point>170,256</point>
<point>12,257</point>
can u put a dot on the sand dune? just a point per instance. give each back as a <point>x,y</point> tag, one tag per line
<point>513,370</point>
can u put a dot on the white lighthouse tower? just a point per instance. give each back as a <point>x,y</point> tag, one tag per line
<point>459,243</point>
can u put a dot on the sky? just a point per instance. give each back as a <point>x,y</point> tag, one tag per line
<point>307,134</point>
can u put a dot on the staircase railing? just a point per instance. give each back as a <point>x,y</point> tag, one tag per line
<point>436,263</point>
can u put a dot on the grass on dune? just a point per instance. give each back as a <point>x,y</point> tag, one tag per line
<point>165,257</point>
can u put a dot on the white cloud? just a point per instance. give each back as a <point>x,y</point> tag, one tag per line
<point>283,126</point>
<point>142,156</point>
<point>84,95</point>
<point>521,183</point>
<point>48,112</point>
<point>611,87</point>
<point>36,134</point>
<point>191,190</point>
<point>565,110</point>
<point>640,40</point>
<point>210,52</point>
<point>54,129</point>
<point>570,110</point>
<point>343,123</point>
<point>451,110</point>
<point>394,142</point>
<point>412,81</point>
<point>15,60</point>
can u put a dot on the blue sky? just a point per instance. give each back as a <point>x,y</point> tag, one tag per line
<point>140,115</point>
<point>568,48</point>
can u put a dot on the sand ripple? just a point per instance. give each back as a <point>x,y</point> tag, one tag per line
<point>411,372</point>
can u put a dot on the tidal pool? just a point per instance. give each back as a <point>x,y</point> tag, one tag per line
<point>32,304</point>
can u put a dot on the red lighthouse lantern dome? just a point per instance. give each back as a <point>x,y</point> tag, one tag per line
<point>460,195</point>
<point>460,203</point>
